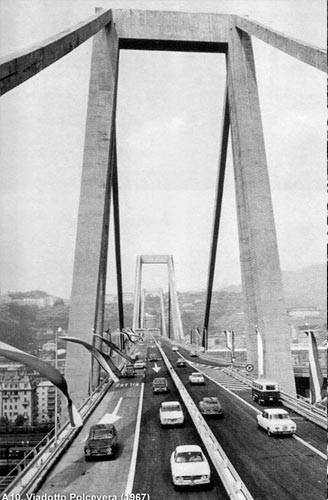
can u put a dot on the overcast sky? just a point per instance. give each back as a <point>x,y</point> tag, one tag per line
<point>169,119</point>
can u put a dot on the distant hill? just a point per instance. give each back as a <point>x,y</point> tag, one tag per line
<point>304,287</point>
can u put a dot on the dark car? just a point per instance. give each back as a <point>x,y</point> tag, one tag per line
<point>181,362</point>
<point>160,385</point>
<point>102,441</point>
<point>210,406</point>
<point>129,370</point>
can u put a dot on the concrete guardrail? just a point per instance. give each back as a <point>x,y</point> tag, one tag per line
<point>230,478</point>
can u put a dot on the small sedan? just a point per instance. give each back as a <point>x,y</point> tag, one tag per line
<point>189,466</point>
<point>102,441</point>
<point>181,363</point>
<point>210,406</point>
<point>175,348</point>
<point>171,414</point>
<point>276,421</point>
<point>140,364</point>
<point>197,378</point>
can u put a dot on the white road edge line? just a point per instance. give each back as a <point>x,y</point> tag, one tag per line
<point>132,470</point>
<point>308,445</point>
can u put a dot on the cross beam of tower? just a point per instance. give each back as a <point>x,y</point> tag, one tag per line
<point>115,30</point>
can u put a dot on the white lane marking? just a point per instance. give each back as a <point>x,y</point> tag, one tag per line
<point>132,470</point>
<point>110,418</point>
<point>103,419</point>
<point>308,445</point>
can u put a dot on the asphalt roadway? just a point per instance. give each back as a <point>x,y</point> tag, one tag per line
<point>271,467</point>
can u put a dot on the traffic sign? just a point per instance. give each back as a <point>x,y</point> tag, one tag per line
<point>249,367</point>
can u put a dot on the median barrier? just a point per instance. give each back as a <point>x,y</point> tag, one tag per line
<point>230,478</point>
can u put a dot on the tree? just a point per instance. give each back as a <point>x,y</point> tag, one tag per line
<point>20,420</point>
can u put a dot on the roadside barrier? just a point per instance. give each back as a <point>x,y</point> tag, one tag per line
<point>230,478</point>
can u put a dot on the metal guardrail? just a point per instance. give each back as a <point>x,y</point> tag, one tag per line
<point>308,411</point>
<point>230,478</point>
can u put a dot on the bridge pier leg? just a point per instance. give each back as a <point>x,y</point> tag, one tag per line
<point>90,261</point>
<point>261,275</point>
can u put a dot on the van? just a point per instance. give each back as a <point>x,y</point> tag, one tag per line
<point>265,391</point>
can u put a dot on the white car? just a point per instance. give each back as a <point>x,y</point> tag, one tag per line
<point>189,466</point>
<point>276,421</point>
<point>175,348</point>
<point>196,378</point>
<point>140,364</point>
<point>170,413</point>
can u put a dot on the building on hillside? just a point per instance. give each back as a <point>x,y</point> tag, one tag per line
<point>17,397</point>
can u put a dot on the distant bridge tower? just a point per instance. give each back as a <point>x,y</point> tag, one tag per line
<point>176,332</point>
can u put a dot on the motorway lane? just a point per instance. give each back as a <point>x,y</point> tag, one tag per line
<point>156,445</point>
<point>108,476</point>
<point>271,468</point>
<point>308,431</point>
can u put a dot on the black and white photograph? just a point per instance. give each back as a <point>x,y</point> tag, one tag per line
<point>163,279</point>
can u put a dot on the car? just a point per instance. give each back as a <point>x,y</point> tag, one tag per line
<point>175,348</point>
<point>276,421</point>
<point>193,354</point>
<point>189,466</point>
<point>160,385</point>
<point>153,356</point>
<point>170,413</point>
<point>102,441</point>
<point>265,391</point>
<point>139,364</point>
<point>129,370</point>
<point>210,405</point>
<point>196,378</point>
<point>181,363</point>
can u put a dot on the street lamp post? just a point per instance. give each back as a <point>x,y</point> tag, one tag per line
<point>58,331</point>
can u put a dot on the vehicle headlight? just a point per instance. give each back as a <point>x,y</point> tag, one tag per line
<point>87,451</point>
<point>178,478</point>
<point>109,449</point>
<point>276,428</point>
<point>205,476</point>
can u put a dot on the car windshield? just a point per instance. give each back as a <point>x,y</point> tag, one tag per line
<point>280,416</point>
<point>171,408</point>
<point>271,388</point>
<point>161,381</point>
<point>214,403</point>
<point>101,434</point>
<point>189,456</point>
